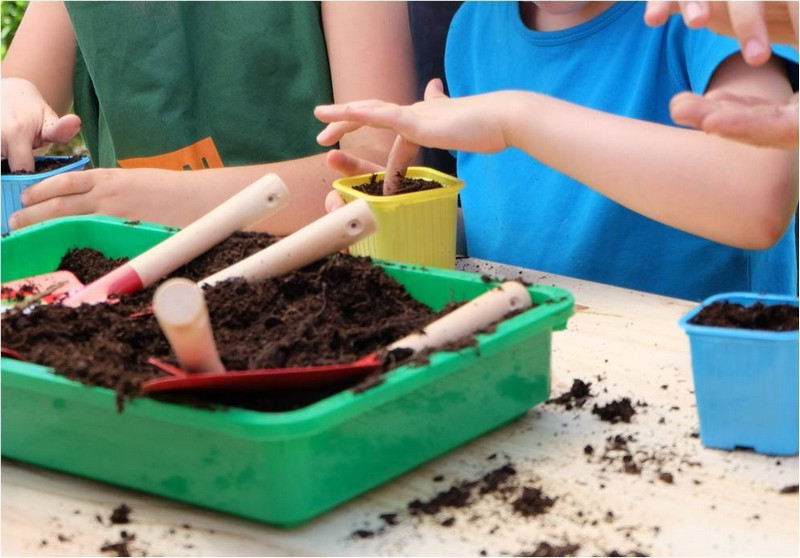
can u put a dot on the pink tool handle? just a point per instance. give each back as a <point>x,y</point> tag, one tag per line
<point>257,201</point>
<point>477,314</point>
<point>328,234</point>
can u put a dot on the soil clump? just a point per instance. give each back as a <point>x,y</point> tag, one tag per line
<point>575,397</point>
<point>620,410</point>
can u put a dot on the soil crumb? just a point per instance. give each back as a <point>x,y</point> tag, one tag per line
<point>121,514</point>
<point>575,397</point>
<point>547,549</point>
<point>617,411</point>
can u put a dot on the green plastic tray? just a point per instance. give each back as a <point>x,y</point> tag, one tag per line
<point>281,468</point>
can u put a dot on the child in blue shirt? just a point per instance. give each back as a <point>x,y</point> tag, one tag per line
<point>560,119</point>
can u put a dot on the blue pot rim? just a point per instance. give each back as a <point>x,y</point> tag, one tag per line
<point>747,299</point>
<point>82,162</point>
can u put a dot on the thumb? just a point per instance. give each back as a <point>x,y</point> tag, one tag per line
<point>60,130</point>
<point>434,89</point>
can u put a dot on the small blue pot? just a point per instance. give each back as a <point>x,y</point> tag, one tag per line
<point>745,381</point>
<point>14,184</point>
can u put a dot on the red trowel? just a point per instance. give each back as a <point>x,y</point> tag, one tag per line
<point>190,336</point>
<point>257,201</point>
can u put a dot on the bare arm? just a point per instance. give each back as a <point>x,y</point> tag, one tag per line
<point>370,55</point>
<point>43,52</point>
<point>722,190</point>
<point>729,192</point>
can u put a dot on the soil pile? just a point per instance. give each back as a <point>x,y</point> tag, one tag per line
<point>334,310</point>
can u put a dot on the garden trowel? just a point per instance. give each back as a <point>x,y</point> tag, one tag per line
<point>468,319</point>
<point>259,200</point>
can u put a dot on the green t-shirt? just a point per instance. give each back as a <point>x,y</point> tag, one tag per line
<point>155,80</point>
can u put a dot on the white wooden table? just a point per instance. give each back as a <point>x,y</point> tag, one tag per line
<point>626,343</point>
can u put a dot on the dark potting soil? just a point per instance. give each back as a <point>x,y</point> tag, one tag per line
<point>616,411</point>
<point>334,310</point>
<point>375,187</point>
<point>120,514</point>
<point>547,549</point>
<point>41,165</point>
<point>774,317</point>
<point>576,396</point>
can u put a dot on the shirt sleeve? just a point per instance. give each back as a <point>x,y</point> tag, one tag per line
<point>704,51</point>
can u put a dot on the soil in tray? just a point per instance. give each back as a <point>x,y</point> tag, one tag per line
<point>41,165</point>
<point>775,317</point>
<point>375,187</point>
<point>334,310</point>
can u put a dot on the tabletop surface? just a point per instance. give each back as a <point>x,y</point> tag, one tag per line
<point>647,487</point>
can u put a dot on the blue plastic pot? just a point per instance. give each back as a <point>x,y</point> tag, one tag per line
<point>745,381</point>
<point>14,184</point>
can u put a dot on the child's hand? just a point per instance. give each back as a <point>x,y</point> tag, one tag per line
<point>746,119</point>
<point>135,194</point>
<point>755,24</point>
<point>28,123</point>
<point>347,165</point>
<point>473,123</point>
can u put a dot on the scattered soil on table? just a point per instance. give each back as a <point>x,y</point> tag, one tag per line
<point>575,397</point>
<point>773,317</point>
<point>547,549</point>
<point>408,185</point>
<point>120,515</point>
<point>501,483</point>
<point>119,548</point>
<point>41,165</point>
<point>617,411</point>
<point>532,502</point>
<point>791,489</point>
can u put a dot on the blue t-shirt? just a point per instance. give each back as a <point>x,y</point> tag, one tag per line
<point>522,212</point>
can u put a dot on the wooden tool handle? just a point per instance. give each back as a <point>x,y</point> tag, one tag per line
<point>333,232</point>
<point>259,200</point>
<point>469,318</point>
<point>180,308</point>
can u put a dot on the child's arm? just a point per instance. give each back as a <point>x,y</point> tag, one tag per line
<point>37,84</point>
<point>368,57</point>
<point>728,192</point>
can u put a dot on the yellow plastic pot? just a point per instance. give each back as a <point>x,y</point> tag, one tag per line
<point>418,227</point>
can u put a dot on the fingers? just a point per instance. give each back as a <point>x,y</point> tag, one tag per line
<point>67,184</point>
<point>747,22</point>
<point>20,153</point>
<point>349,165</point>
<point>434,89</point>
<point>54,197</point>
<point>378,114</point>
<point>333,201</point>
<point>401,155</point>
<point>774,126</point>
<point>744,119</point>
<point>657,12</point>
<point>689,109</point>
<point>60,130</point>
<point>335,131</point>
<point>695,14</point>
